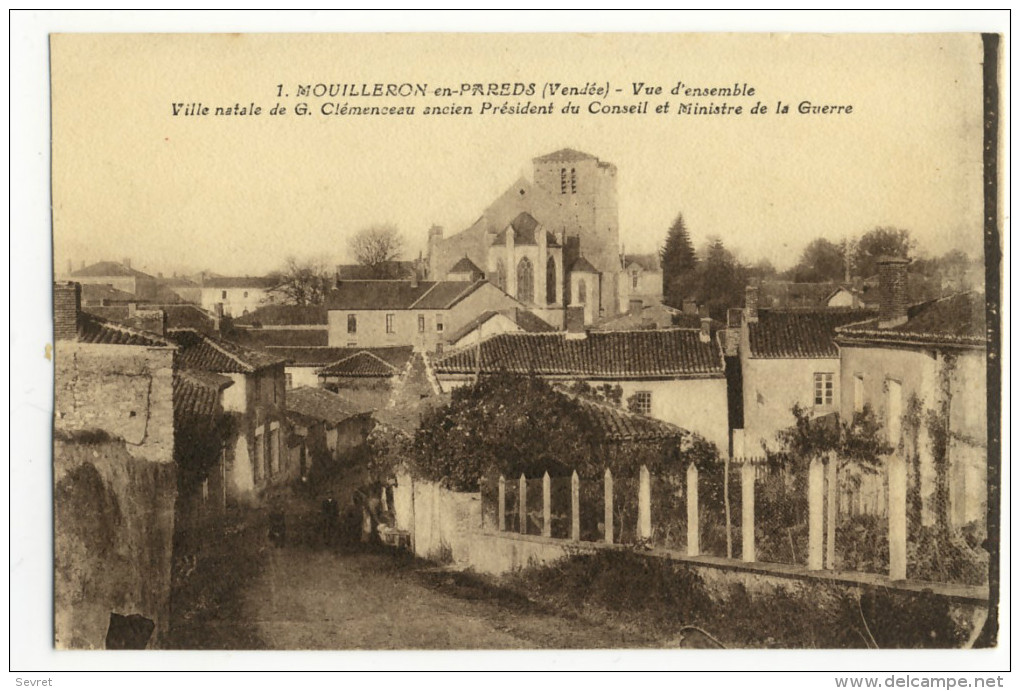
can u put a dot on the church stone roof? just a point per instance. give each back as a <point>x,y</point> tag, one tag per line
<point>524,227</point>
<point>582,265</point>
<point>464,266</point>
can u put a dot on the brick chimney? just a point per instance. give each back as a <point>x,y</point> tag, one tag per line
<point>705,335</point>
<point>575,323</point>
<point>892,291</point>
<point>66,311</point>
<point>751,304</point>
<point>636,305</point>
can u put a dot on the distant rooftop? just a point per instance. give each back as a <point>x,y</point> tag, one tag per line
<point>957,320</point>
<point>103,269</point>
<point>800,333</point>
<point>399,295</point>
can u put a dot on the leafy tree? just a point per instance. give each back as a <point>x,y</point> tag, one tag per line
<point>858,441</point>
<point>679,264</point>
<point>303,282</point>
<point>722,280</point>
<point>377,247</point>
<point>881,242</point>
<point>822,260</point>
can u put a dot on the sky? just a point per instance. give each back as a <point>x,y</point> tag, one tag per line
<point>236,195</point>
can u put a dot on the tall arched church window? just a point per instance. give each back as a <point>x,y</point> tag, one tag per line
<point>525,281</point>
<point>500,275</point>
<point>550,281</point>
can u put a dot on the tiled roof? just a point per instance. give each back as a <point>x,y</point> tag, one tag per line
<point>648,262</point>
<point>363,363</point>
<point>186,316</point>
<point>621,425</point>
<point>323,405</point>
<point>524,226</point>
<point>651,316</point>
<point>96,292</point>
<point>582,265</point>
<point>666,353</point>
<point>397,356</point>
<point>204,352</point>
<point>101,269</point>
<point>93,329</point>
<point>262,338</point>
<point>197,393</point>
<point>465,265</point>
<point>957,320</point>
<point>794,333</point>
<point>525,320</point>
<point>285,315</point>
<point>398,295</point>
<point>563,155</point>
<point>241,282</point>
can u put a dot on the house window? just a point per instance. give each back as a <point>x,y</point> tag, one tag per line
<point>643,402</point>
<point>823,388</point>
<point>389,323</point>
<point>352,324</point>
<point>421,323</point>
<point>573,181</point>
<point>223,295</point>
<point>858,393</point>
<point>439,323</point>
<point>563,180</point>
<point>246,293</point>
<point>289,379</point>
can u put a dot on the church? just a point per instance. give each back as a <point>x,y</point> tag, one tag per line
<point>550,242</point>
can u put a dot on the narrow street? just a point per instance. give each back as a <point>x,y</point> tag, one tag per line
<point>307,599</point>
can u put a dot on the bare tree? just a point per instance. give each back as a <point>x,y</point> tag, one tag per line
<point>378,247</point>
<point>303,282</point>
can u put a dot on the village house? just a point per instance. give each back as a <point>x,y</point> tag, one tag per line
<point>787,357</point>
<point>325,426</point>
<point>641,280</point>
<point>372,314</point>
<point>113,461</point>
<point>674,375</point>
<point>234,296</point>
<point>258,397</point>
<point>910,365</point>
<point>548,242</point>
<point>117,275</point>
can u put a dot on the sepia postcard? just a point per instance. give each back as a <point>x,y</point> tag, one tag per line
<point>559,341</point>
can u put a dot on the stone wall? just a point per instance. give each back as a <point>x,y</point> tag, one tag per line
<point>113,535</point>
<point>126,391</point>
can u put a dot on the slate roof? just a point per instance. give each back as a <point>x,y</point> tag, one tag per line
<point>93,329</point>
<point>285,315</point>
<point>320,404</point>
<point>361,272</point>
<point>800,333</point>
<point>397,356</point>
<point>525,320</point>
<point>524,226</point>
<point>582,265</point>
<point>564,155</point>
<point>203,352</point>
<point>399,295</point>
<point>363,363</point>
<point>465,265</point>
<point>957,320</point>
<point>96,292</point>
<point>621,425</point>
<point>101,269</point>
<point>197,393</point>
<point>658,354</point>
<point>241,282</point>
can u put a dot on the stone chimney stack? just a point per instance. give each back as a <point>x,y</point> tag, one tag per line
<point>705,335</point>
<point>66,311</point>
<point>751,304</point>
<point>892,291</point>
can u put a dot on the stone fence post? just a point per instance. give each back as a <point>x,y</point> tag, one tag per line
<point>747,477</point>
<point>608,513</point>
<point>897,469</point>
<point>546,505</point>
<point>816,515</point>
<point>575,507</point>
<point>644,505</point>
<point>501,505</point>
<point>523,508</point>
<point>693,529</point>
